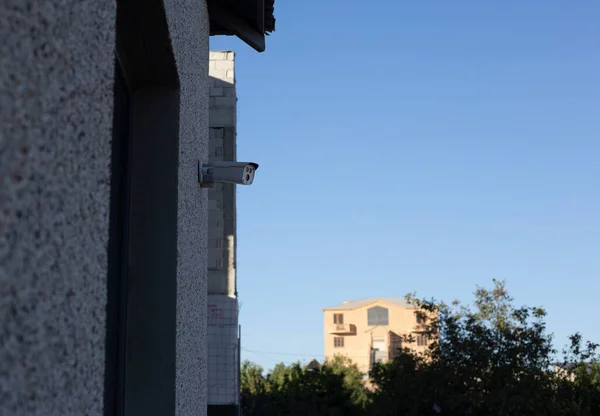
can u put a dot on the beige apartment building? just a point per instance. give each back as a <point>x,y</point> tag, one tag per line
<point>371,330</point>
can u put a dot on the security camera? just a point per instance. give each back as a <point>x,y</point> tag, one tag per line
<point>240,173</point>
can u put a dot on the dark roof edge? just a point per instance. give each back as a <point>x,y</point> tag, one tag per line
<point>269,16</point>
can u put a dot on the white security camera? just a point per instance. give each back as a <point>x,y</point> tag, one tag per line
<point>240,173</point>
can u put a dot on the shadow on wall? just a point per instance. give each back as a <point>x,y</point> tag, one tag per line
<point>223,361</point>
<point>222,102</point>
<point>221,198</point>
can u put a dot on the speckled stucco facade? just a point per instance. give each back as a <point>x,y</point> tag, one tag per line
<point>55,129</point>
<point>189,30</point>
<point>56,87</point>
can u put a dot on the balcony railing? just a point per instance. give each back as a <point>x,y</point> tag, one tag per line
<point>342,329</point>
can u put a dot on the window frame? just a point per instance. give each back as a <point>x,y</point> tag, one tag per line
<point>140,368</point>
<point>338,342</point>
<point>118,244</point>
<point>378,322</point>
<point>422,340</point>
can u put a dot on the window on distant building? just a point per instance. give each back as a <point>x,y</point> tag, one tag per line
<point>422,340</point>
<point>420,317</point>
<point>395,345</point>
<point>338,318</point>
<point>338,342</point>
<point>377,316</point>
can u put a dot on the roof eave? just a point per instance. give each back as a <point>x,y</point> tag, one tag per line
<point>341,308</point>
<point>251,26</point>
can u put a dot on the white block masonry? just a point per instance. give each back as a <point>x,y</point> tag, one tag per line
<point>223,351</point>
<point>223,342</point>
<point>222,147</point>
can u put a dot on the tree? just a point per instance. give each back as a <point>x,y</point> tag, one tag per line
<point>252,378</point>
<point>494,359</point>
<point>335,388</point>
<point>343,366</point>
<point>491,359</point>
<point>254,395</point>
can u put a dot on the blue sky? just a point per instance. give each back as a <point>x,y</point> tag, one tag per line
<point>425,146</point>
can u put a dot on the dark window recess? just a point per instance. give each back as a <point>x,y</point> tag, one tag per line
<point>338,318</point>
<point>118,246</point>
<point>378,316</point>
<point>338,342</point>
<point>395,345</point>
<point>421,318</point>
<point>140,361</point>
<point>422,340</point>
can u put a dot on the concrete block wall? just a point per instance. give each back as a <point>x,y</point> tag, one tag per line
<point>222,147</point>
<point>222,91</point>
<point>223,352</point>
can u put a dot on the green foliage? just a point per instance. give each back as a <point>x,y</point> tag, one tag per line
<point>491,359</point>
<point>333,389</point>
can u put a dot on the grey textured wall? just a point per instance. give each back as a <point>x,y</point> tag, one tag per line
<point>189,29</point>
<point>55,131</point>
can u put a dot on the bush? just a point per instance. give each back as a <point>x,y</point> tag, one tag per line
<point>493,359</point>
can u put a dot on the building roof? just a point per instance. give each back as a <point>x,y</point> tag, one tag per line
<point>250,20</point>
<point>570,366</point>
<point>313,365</point>
<point>353,304</point>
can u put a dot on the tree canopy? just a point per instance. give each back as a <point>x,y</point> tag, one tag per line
<point>489,359</point>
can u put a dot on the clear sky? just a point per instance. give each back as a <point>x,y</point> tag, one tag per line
<point>425,146</point>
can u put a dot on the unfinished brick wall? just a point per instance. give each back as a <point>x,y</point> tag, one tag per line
<point>222,147</point>
<point>223,344</point>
